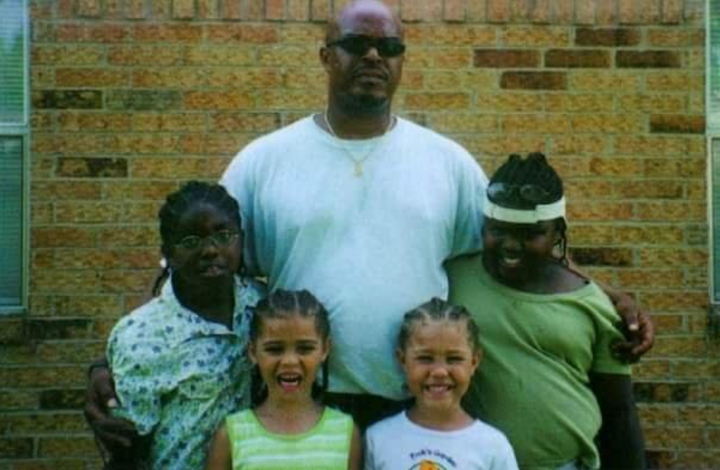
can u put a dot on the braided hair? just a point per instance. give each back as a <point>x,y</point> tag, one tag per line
<point>533,170</point>
<point>177,204</point>
<point>284,304</point>
<point>439,310</point>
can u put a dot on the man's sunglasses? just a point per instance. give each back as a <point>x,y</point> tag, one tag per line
<point>360,45</point>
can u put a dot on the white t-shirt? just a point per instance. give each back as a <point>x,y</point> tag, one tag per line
<point>370,247</point>
<point>396,443</point>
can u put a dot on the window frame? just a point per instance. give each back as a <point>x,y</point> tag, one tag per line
<point>22,130</point>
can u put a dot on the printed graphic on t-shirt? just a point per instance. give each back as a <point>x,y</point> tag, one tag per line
<point>427,465</point>
<point>432,459</point>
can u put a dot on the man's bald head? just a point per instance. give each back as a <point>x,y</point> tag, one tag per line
<point>355,11</point>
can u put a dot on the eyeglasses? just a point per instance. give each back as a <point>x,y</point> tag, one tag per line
<point>504,192</point>
<point>220,239</point>
<point>360,45</point>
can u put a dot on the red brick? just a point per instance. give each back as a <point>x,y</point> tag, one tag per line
<point>89,8</point>
<point>320,10</point>
<point>107,33</point>
<point>563,11</point>
<point>208,9</point>
<point>498,11</point>
<point>92,167</point>
<point>536,36</point>
<point>200,100</point>
<point>64,190</point>
<point>254,9</point>
<point>127,236</point>
<point>476,10</point>
<point>608,37</point>
<point>230,9</point>
<point>69,55</point>
<point>245,122</point>
<point>146,55</point>
<point>454,10</point>
<point>579,144</point>
<point>450,35</point>
<point>66,447</point>
<point>678,124</point>
<point>183,9</point>
<point>437,101</point>
<point>647,59</point>
<point>602,256</point>
<point>534,81</point>
<point>224,56</point>
<point>91,78</point>
<point>676,38</point>
<point>671,210</point>
<point>17,448</point>
<point>65,8</point>
<point>506,58</point>
<point>574,59</point>
<point>541,11</point>
<point>169,77</point>
<point>136,9</point>
<point>242,33</point>
<point>298,10</point>
<point>167,33</point>
<point>153,122</point>
<point>130,190</point>
<point>627,13</point>
<point>672,11</point>
<point>535,123</point>
<point>275,9</point>
<point>605,13</point>
<point>585,11</point>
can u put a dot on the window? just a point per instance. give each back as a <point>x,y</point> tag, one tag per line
<point>14,127</point>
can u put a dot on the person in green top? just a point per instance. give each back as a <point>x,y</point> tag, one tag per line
<point>549,380</point>
<point>290,428</point>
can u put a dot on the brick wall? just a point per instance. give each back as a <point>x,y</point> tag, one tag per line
<point>132,96</point>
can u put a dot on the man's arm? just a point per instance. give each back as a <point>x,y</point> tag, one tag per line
<point>637,326</point>
<point>115,434</point>
<point>620,440</point>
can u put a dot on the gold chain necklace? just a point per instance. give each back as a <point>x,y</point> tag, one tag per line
<point>358,163</point>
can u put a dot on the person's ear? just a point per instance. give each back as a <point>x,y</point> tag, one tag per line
<point>327,345</point>
<point>476,359</point>
<point>252,352</point>
<point>325,58</point>
<point>400,355</point>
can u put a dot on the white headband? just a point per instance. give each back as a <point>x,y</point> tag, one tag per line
<point>540,213</point>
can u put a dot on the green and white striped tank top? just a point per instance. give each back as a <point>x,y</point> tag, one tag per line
<point>324,447</point>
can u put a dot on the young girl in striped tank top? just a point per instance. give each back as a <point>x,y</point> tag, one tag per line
<point>289,428</point>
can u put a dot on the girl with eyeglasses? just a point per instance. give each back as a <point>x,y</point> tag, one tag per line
<point>178,361</point>
<point>549,380</point>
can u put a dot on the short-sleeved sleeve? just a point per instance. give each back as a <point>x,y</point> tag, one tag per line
<point>472,183</point>
<point>142,372</point>
<point>239,182</point>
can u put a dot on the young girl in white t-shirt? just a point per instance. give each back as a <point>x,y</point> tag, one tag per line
<point>439,351</point>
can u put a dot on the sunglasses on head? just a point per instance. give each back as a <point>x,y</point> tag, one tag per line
<point>509,193</point>
<point>360,45</point>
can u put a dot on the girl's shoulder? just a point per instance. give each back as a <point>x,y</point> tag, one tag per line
<point>251,290</point>
<point>563,279</point>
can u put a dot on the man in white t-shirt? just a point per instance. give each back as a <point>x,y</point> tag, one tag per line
<point>360,207</point>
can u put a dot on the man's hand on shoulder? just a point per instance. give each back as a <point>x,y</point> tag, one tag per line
<point>637,326</point>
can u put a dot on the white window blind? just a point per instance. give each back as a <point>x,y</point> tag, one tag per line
<point>11,221</point>
<point>12,62</point>
<point>14,129</point>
